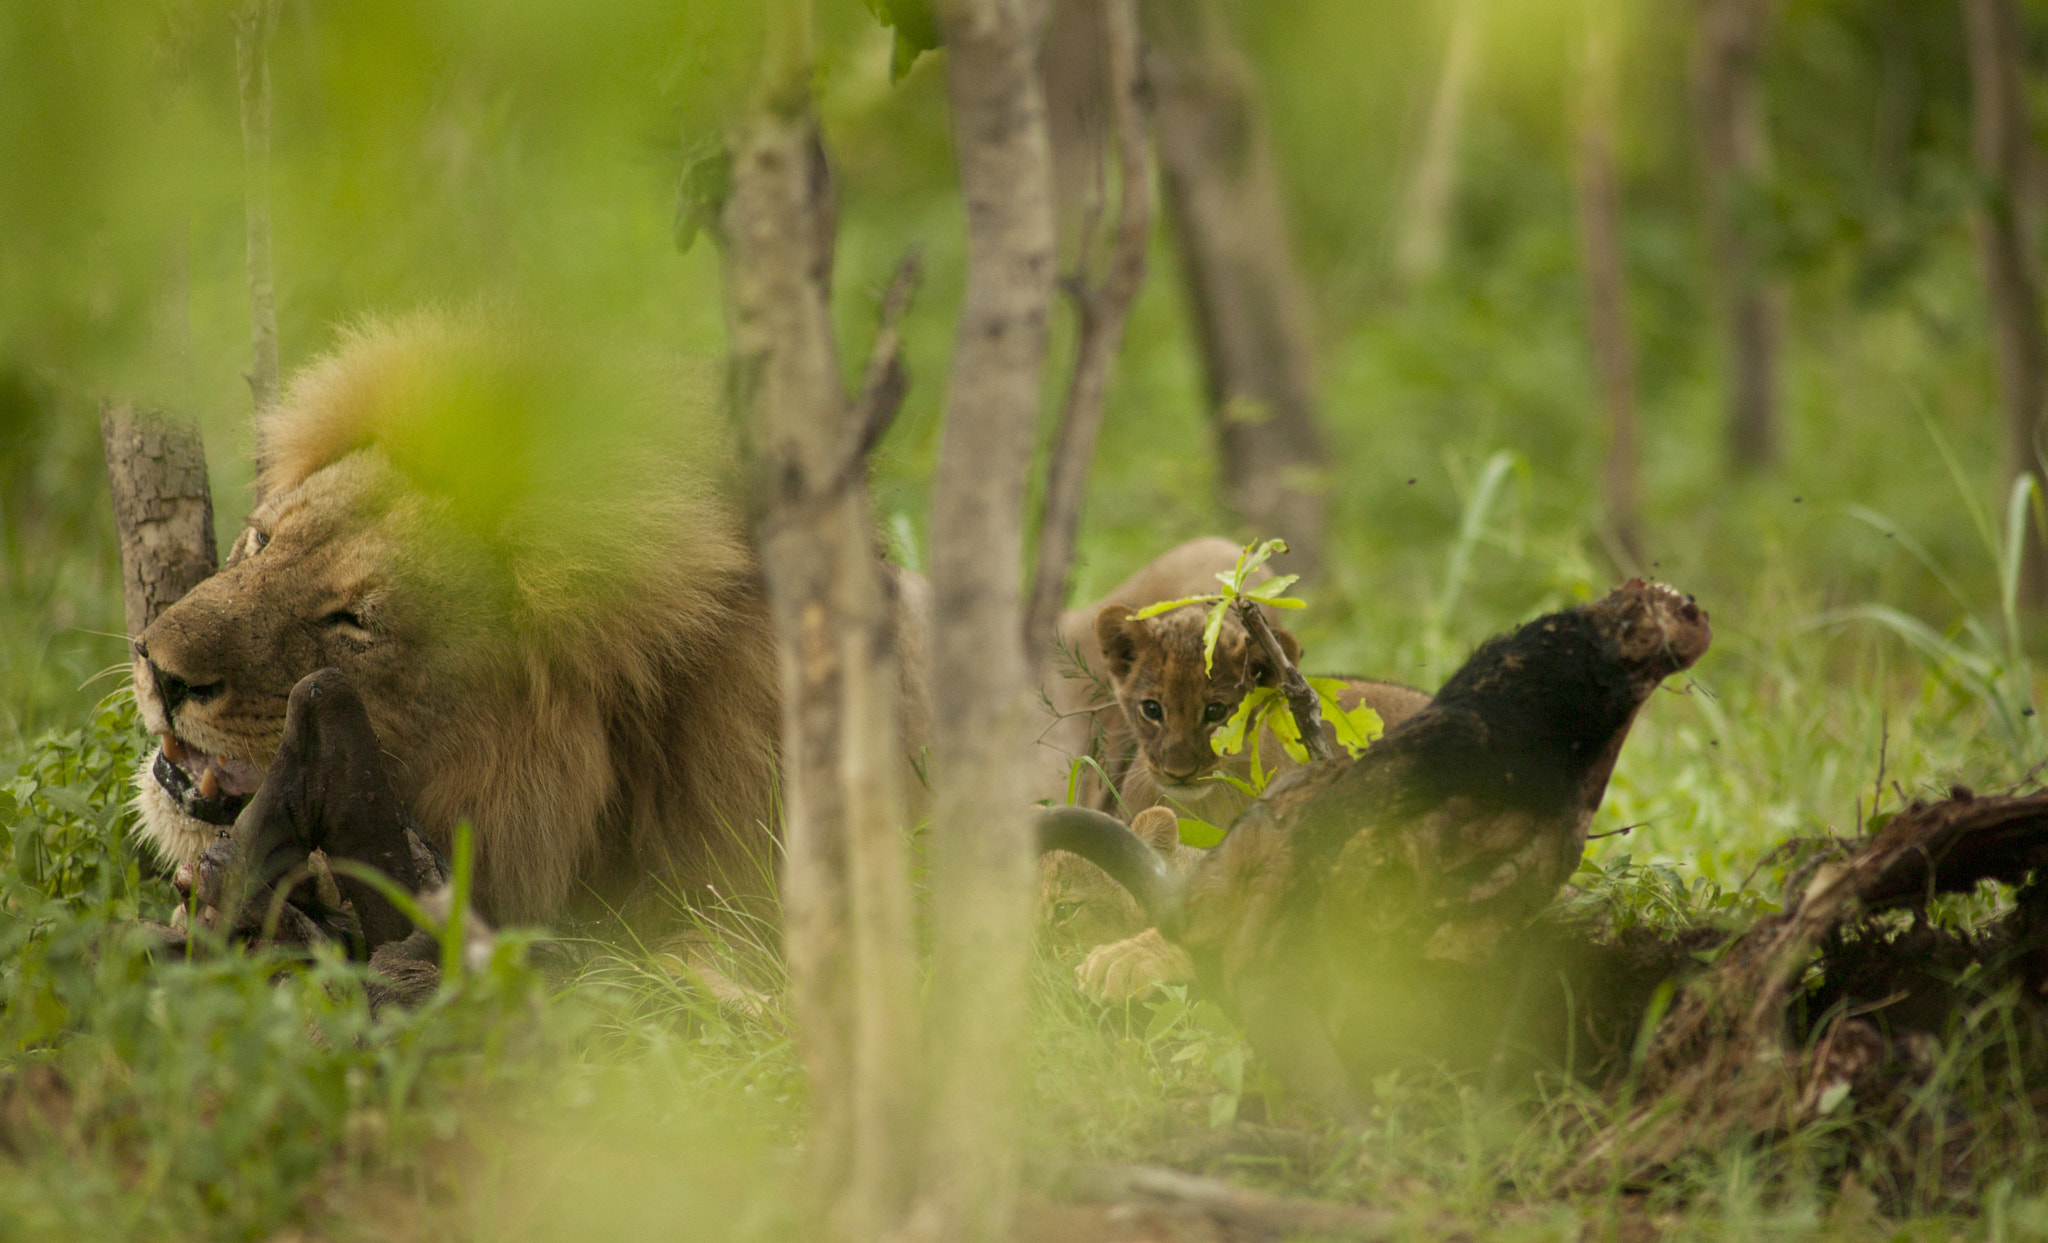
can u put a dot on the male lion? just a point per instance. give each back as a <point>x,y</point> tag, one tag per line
<point>518,556</point>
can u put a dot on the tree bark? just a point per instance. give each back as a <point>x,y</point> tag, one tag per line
<point>1101,305</point>
<point>980,842</point>
<point>1426,224</point>
<point>253,24</point>
<point>1223,196</point>
<point>1728,103</point>
<point>163,510</point>
<point>845,886</point>
<point>2000,142</point>
<point>1600,257</point>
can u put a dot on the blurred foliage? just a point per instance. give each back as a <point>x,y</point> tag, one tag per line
<point>453,151</point>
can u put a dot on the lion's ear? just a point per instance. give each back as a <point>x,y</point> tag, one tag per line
<point>1116,631</point>
<point>1263,671</point>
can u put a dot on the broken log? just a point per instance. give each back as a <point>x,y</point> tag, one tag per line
<point>1730,1058</point>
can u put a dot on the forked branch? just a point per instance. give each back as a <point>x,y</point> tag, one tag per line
<point>1101,308</point>
<point>884,382</point>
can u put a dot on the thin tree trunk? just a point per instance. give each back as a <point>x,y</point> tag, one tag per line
<point>1426,224</point>
<point>846,884</point>
<point>1073,65</point>
<point>2000,140</point>
<point>1223,195</point>
<point>980,853</point>
<point>1102,307</point>
<point>1600,254</point>
<point>253,24</point>
<point>1728,101</point>
<point>163,509</point>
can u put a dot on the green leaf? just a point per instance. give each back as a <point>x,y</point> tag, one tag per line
<point>917,31</point>
<point>1210,630</point>
<point>1199,833</point>
<point>1255,556</point>
<point>1357,728</point>
<point>66,799</point>
<point>1164,1016</point>
<point>1229,740</point>
<point>1237,783</point>
<point>1285,602</point>
<point>701,191</point>
<point>1281,721</point>
<point>1168,606</point>
<point>1273,587</point>
<point>1222,1110</point>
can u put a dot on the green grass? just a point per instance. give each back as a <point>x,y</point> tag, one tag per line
<point>1865,647</point>
<point>237,1097</point>
<point>1858,631</point>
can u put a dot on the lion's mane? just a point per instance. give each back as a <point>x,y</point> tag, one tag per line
<point>578,657</point>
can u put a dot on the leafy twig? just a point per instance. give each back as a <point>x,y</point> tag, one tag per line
<point>1301,698</point>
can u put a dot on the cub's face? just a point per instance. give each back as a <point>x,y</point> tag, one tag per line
<point>1172,705</point>
<point>349,569</point>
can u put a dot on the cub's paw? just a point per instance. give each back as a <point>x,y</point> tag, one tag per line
<point>1125,969</point>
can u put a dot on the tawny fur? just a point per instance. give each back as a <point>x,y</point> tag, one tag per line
<point>1161,659</point>
<point>564,639</point>
<point>1084,718</point>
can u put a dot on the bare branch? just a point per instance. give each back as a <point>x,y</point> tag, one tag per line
<point>1301,697</point>
<point>1102,309</point>
<point>253,25</point>
<point>1243,1209</point>
<point>884,381</point>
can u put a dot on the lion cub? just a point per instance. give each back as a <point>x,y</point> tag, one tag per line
<point>1172,706</point>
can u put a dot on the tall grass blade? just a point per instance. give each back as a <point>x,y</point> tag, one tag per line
<point>1471,525</point>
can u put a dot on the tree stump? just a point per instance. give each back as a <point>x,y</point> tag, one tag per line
<point>163,510</point>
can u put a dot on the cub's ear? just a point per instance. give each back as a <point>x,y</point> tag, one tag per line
<point>1262,669</point>
<point>1116,631</point>
<point>1159,827</point>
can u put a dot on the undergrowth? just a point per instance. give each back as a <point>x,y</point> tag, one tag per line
<point>240,1096</point>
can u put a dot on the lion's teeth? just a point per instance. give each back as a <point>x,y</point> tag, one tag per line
<point>209,782</point>
<point>173,748</point>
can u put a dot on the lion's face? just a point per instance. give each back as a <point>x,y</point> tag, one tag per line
<point>515,546</point>
<point>350,569</point>
<point>1173,705</point>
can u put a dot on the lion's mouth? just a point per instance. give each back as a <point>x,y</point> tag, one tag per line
<point>210,788</point>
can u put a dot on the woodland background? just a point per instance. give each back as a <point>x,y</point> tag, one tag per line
<point>1867,623</point>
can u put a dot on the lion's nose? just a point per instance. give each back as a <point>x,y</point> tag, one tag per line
<point>173,690</point>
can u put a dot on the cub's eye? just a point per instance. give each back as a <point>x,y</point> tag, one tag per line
<point>1152,710</point>
<point>1215,712</point>
<point>1062,912</point>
